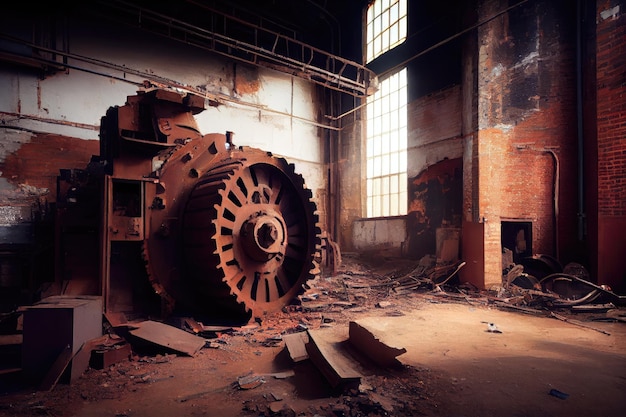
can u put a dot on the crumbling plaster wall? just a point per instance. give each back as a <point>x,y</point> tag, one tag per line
<point>51,121</point>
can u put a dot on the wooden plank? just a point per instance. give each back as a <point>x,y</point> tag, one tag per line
<point>169,337</point>
<point>56,370</point>
<point>296,345</point>
<point>368,340</point>
<point>325,351</point>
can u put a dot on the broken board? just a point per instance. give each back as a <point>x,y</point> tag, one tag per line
<point>168,336</point>
<point>56,371</point>
<point>326,352</point>
<point>366,338</point>
<point>296,345</point>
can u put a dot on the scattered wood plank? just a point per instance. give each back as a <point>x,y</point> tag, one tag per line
<point>368,341</point>
<point>56,370</point>
<point>169,337</point>
<point>578,323</point>
<point>296,345</point>
<point>520,308</point>
<point>116,319</point>
<point>326,353</point>
<point>593,308</point>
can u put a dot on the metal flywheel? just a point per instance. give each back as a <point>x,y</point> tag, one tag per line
<point>234,232</point>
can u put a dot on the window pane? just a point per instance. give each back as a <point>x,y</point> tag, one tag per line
<point>394,208</point>
<point>377,167</point>
<point>393,184</point>
<point>385,165</point>
<point>393,160</point>
<point>376,211</point>
<point>402,4</point>
<point>385,121</point>
<point>385,143</point>
<point>393,142</point>
<point>402,29</point>
<point>402,117</point>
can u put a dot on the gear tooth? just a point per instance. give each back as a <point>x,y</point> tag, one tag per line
<point>315,270</point>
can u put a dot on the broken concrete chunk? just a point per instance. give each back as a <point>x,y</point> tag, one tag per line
<point>366,339</point>
<point>250,381</point>
<point>326,351</point>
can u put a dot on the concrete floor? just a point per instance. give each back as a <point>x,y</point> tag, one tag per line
<point>452,367</point>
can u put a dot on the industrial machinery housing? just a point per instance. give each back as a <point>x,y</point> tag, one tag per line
<point>168,217</point>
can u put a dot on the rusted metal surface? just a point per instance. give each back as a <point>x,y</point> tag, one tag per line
<point>223,229</point>
<point>435,202</point>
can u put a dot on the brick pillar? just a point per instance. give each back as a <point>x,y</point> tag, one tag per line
<point>526,134</point>
<point>611,142</point>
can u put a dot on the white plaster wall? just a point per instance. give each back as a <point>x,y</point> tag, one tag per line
<point>279,119</point>
<point>369,234</point>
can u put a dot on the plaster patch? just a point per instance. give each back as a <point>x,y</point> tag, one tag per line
<point>497,70</point>
<point>610,13</point>
<point>531,58</point>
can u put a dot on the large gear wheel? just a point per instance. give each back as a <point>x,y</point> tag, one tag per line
<point>250,224</point>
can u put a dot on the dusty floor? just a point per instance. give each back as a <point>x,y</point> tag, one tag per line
<point>453,366</point>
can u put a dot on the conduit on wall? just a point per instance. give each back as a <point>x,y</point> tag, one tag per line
<point>214,99</point>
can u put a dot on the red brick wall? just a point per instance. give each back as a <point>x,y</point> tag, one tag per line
<point>611,108</point>
<point>38,161</point>
<point>526,111</point>
<point>433,118</point>
<point>611,140</point>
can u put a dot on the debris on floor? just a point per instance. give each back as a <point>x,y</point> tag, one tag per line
<point>168,337</point>
<point>302,346</point>
<point>363,335</point>
<point>326,352</point>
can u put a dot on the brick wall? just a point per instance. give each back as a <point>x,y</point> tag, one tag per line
<point>611,107</point>
<point>526,127</point>
<point>611,142</point>
<point>434,129</point>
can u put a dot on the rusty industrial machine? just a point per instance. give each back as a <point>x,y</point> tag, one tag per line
<point>191,222</point>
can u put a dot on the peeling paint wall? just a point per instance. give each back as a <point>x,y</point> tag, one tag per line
<point>435,202</point>
<point>49,119</point>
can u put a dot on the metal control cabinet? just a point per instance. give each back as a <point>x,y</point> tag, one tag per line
<point>53,324</point>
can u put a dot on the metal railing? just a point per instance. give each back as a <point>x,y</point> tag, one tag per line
<point>250,43</point>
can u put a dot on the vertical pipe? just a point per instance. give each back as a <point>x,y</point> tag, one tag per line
<point>555,202</point>
<point>579,125</point>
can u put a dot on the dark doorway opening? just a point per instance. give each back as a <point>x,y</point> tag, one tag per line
<point>517,237</point>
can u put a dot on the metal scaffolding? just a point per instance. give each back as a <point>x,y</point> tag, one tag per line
<point>250,43</point>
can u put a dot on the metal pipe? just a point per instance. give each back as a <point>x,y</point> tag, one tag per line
<point>451,38</point>
<point>579,124</point>
<point>19,116</point>
<point>214,98</point>
<point>555,201</point>
<point>555,190</point>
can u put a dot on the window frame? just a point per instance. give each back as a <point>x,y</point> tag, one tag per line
<point>386,148</point>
